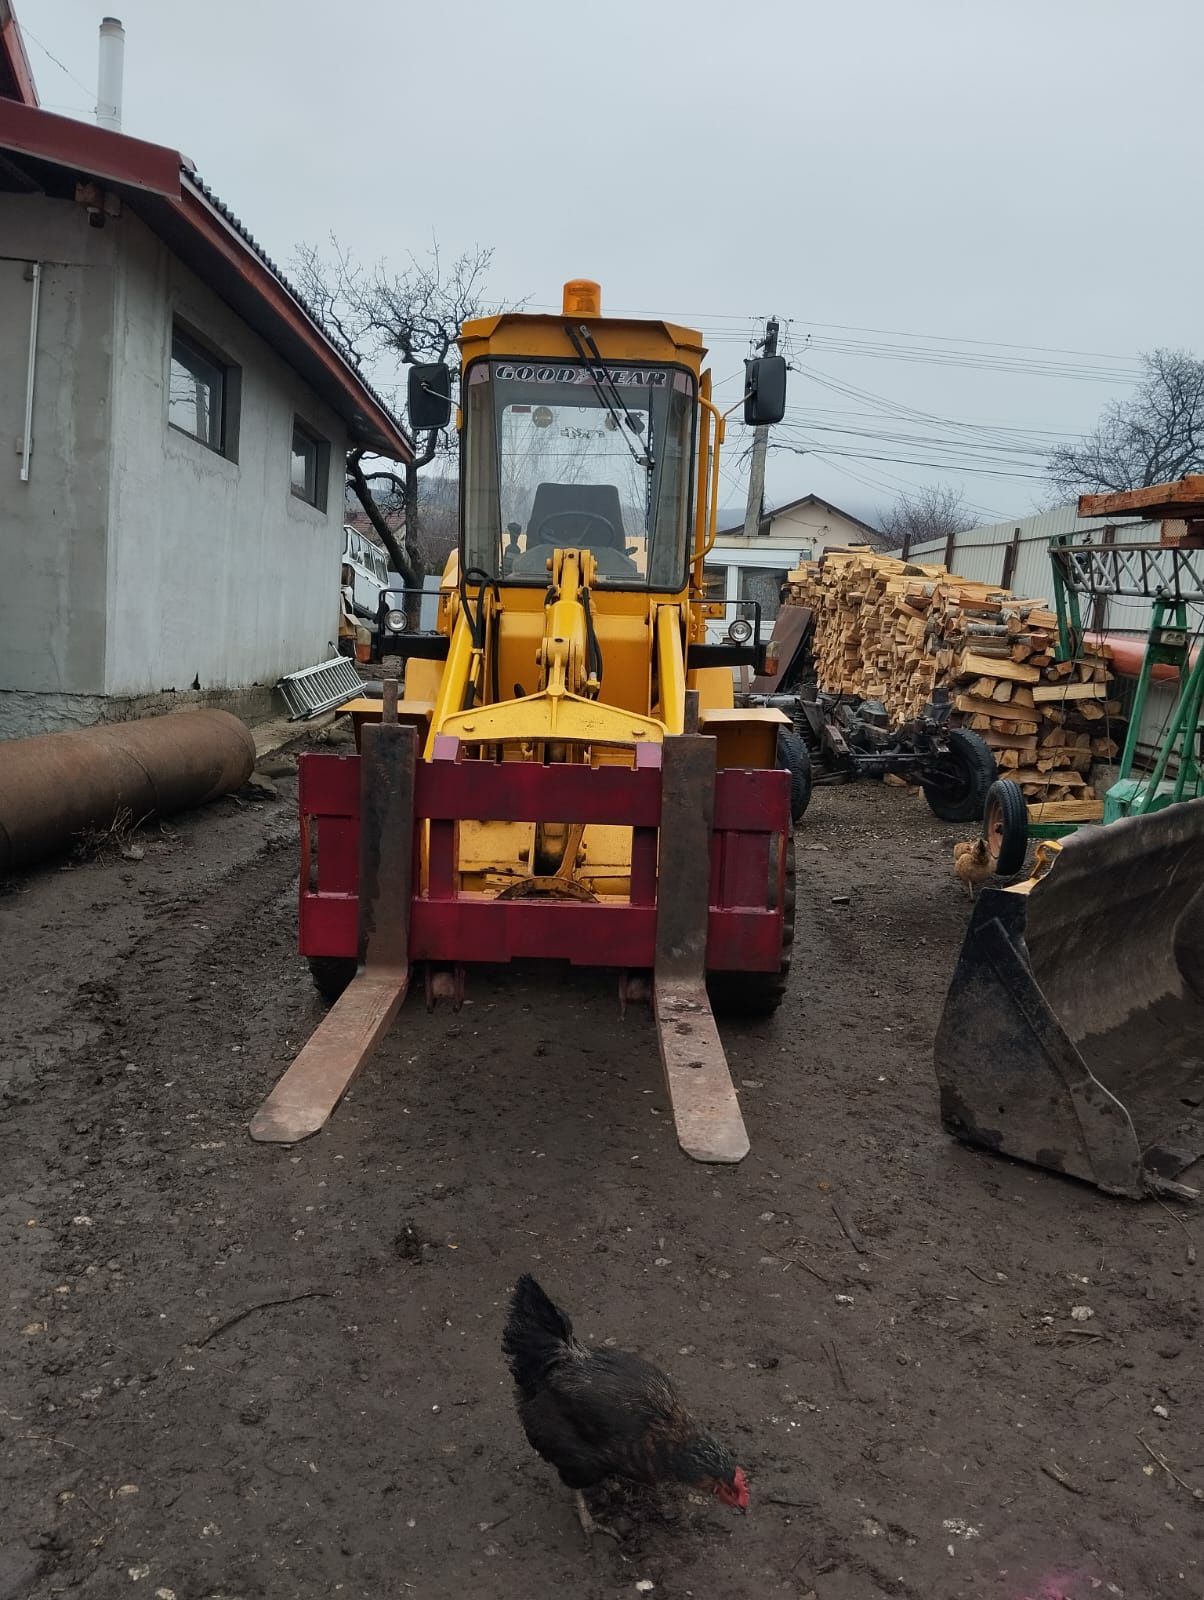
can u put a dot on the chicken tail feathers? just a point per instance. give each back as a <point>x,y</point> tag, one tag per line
<point>537,1334</point>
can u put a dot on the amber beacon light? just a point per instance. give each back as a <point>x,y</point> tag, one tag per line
<point>582,298</point>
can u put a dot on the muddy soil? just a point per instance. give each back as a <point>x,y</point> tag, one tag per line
<point>231,1370</point>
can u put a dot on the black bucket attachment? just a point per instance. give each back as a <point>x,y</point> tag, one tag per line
<point>1073,1031</point>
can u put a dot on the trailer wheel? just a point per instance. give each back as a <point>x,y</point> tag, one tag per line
<point>1005,826</point>
<point>331,974</point>
<point>964,775</point>
<point>759,994</point>
<point>795,758</point>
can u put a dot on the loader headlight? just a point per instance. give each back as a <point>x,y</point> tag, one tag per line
<point>740,631</point>
<point>395,621</point>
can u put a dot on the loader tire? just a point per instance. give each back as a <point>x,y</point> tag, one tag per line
<point>1005,826</point>
<point>795,758</point>
<point>967,772</point>
<point>331,974</point>
<point>759,994</point>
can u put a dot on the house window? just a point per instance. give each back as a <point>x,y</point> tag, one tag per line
<point>764,585</point>
<point>201,389</point>
<point>311,466</point>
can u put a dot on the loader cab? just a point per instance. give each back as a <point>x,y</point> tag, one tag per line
<point>576,455</point>
<point>577,432</point>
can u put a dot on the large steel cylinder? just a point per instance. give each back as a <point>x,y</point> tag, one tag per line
<point>56,785</point>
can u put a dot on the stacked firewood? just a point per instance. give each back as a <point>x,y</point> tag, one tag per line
<point>894,631</point>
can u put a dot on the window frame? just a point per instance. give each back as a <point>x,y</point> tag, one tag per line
<point>769,611</point>
<point>223,437</point>
<point>321,469</point>
<point>693,476</point>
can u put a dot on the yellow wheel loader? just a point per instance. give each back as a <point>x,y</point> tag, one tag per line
<point>566,776</point>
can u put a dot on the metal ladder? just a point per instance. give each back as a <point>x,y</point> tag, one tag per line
<point>320,688</point>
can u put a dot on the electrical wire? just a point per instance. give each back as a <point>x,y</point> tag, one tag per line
<point>716,318</point>
<point>26,34</point>
<point>912,461</point>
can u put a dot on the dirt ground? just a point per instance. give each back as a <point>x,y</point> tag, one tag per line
<point>923,1419</point>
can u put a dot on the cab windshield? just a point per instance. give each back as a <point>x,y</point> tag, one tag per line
<point>570,455</point>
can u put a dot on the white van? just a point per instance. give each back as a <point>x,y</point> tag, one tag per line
<point>365,574</point>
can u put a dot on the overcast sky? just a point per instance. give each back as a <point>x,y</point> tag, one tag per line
<point>979,212</point>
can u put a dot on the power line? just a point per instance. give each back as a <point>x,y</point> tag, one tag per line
<point>985,446</point>
<point>912,461</point>
<point>1001,428</point>
<point>972,361</point>
<point>91,93</point>
<point>748,319</point>
<point>891,408</point>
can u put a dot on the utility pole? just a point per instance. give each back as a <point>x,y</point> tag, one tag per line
<point>756,478</point>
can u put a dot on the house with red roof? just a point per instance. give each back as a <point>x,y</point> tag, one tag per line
<point>174,423</point>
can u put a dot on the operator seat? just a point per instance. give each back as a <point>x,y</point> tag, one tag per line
<point>576,516</point>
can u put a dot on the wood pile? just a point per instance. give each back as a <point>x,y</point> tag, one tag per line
<point>894,631</point>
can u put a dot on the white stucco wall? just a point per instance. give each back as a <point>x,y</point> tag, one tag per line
<point>803,530</point>
<point>218,576</point>
<point>53,528</point>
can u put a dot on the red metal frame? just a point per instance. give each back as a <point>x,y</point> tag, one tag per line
<point>752,808</point>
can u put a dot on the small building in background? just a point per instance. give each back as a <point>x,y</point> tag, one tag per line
<point>753,570</point>
<point>173,429</point>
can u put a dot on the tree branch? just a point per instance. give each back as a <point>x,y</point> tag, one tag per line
<point>410,570</point>
<point>1155,436</point>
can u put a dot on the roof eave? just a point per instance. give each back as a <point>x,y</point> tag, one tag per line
<point>368,421</point>
<point>15,60</point>
<point>159,185</point>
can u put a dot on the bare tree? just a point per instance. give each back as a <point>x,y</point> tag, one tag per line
<point>390,320</point>
<point>1155,436</point>
<point>932,512</point>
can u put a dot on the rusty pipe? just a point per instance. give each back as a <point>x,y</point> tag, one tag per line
<point>55,785</point>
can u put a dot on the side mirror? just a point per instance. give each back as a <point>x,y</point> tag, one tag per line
<point>764,390</point>
<point>430,397</point>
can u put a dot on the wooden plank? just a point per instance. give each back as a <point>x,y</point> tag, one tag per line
<point>1012,741</point>
<point>973,662</point>
<point>1182,499</point>
<point>1067,811</point>
<point>1065,777</point>
<point>1046,693</point>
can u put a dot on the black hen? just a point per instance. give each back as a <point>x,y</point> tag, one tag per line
<point>596,1414</point>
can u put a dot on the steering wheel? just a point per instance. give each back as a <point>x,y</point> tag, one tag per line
<point>536,537</point>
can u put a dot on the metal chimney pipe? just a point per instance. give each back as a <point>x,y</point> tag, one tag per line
<point>109,75</point>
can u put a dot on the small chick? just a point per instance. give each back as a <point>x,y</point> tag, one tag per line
<point>973,863</point>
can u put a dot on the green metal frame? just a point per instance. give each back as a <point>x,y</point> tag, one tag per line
<point>1168,643</point>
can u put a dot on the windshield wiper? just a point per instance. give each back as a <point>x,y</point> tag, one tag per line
<point>591,359</point>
